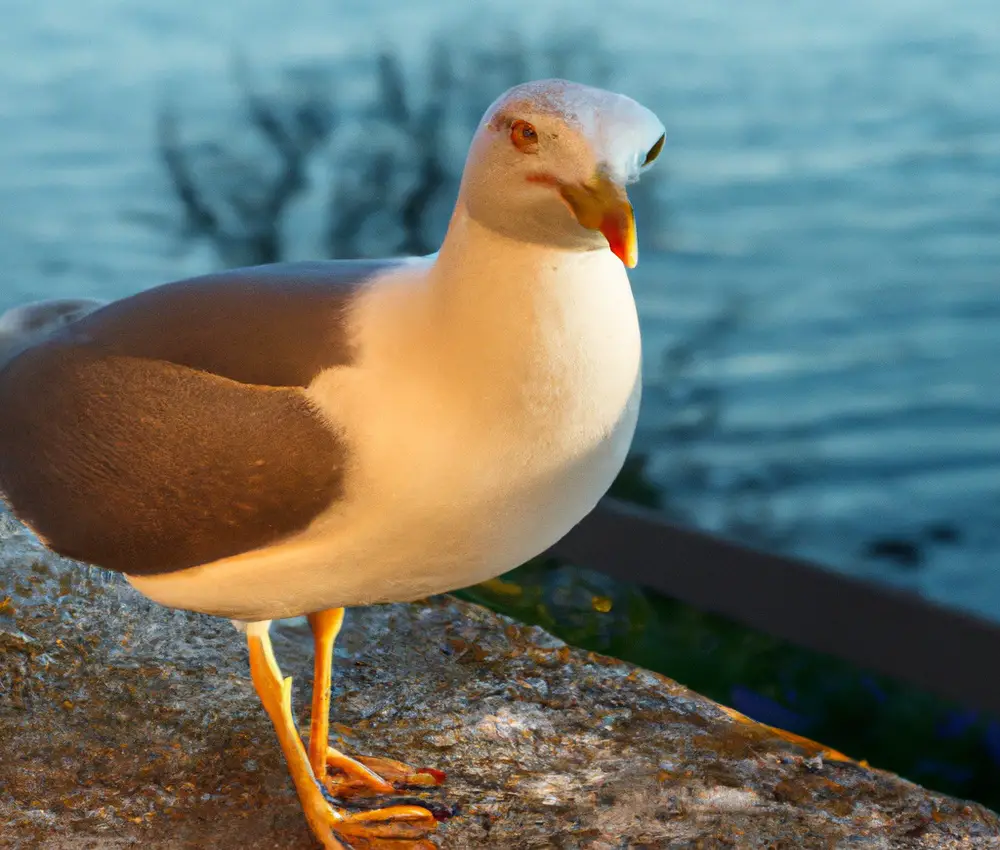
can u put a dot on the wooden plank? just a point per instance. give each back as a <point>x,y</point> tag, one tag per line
<point>946,652</point>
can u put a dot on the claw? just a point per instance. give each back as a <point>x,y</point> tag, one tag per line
<point>367,775</point>
<point>394,822</point>
<point>402,775</point>
<point>357,777</point>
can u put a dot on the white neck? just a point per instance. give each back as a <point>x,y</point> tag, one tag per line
<point>530,323</point>
<point>498,292</point>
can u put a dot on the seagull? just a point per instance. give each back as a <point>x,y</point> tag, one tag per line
<point>297,438</point>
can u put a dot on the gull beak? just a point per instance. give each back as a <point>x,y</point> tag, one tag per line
<point>601,204</point>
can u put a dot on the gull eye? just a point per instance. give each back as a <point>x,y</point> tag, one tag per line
<point>524,136</point>
<point>654,151</point>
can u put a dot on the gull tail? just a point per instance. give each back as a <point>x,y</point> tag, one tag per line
<point>29,324</point>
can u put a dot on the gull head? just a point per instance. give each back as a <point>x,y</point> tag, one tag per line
<point>550,162</point>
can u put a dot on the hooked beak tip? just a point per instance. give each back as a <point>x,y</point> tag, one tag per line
<point>618,227</point>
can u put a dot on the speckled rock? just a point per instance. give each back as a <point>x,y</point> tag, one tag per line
<point>124,724</point>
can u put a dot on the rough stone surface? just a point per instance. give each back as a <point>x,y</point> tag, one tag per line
<point>124,724</point>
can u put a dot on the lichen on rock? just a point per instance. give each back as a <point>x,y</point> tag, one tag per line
<point>126,724</point>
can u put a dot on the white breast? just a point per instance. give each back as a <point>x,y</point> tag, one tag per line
<point>483,421</point>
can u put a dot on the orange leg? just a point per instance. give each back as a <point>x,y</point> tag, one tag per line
<point>352,776</point>
<point>395,823</point>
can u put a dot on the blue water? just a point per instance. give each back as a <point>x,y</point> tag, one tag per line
<point>833,168</point>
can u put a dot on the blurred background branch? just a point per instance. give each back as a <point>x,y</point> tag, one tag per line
<point>392,172</point>
<point>235,200</point>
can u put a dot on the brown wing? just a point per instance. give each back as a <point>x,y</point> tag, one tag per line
<point>168,429</point>
<point>144,467</point>
<point>275,325</point>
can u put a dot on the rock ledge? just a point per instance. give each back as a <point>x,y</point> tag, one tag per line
<point>128,725</point>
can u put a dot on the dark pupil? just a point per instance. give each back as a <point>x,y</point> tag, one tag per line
<point>527,132</point>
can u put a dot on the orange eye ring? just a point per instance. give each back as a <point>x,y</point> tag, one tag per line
<point>524,136</point>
